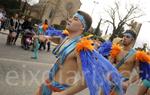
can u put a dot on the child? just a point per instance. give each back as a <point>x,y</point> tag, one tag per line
<point>35,47</point>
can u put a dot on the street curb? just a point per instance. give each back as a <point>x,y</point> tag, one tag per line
<point>3,33</point>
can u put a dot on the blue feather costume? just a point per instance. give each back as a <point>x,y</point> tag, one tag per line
<point>54,32</point>
<point>105,48</point>
<point>98,72</point>
<point>145,70</point>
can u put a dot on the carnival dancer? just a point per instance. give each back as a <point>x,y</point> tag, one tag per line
<point>44,28</point>
<point>144,63</point>
<point>36,46</point>
<point>79,65</point>
<point>124,57</point>
<point>36,41</point>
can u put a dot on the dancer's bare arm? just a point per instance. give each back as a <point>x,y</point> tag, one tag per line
<point>54,39</point>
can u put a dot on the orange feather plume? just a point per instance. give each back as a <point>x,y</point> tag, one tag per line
<point>45,27</point>
<point>65,32</point>
<point>142,56</point>
<point>116,49</point>
<point>84,44</point>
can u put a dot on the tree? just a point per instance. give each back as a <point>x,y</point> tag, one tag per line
<point>97,31</point>
<point>26,5</point>
<point>118,20</point>
<point>10,4</point>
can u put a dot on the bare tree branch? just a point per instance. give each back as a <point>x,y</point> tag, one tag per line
<point>108,22</point>
<point>134,17</point>
<point>117,10</point>
<point>132,12</point>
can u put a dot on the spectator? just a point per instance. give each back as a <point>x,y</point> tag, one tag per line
<point>20,23</point>
<point>44,28</point>
<point>12,29</point>
<point>2,19</point>
<point>27,24</point>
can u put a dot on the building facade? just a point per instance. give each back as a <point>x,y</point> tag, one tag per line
<point>55,10</point>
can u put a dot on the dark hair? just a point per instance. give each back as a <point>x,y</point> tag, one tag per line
<point>131,32</point>
<point>46,21</point>
<point>88,20</point>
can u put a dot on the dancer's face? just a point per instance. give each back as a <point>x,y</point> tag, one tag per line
<point>29,19</point>
<point>16,15</point>
<point>127,39</point>
<point>74,25</point>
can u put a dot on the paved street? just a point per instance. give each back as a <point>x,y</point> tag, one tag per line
<point>21,75</point>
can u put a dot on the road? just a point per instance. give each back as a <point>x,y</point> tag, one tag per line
<point>21,75</point>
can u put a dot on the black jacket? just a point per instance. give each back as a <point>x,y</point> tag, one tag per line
<point>27,25</point>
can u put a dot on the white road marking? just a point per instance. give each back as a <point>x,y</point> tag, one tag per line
<point>22,61</point>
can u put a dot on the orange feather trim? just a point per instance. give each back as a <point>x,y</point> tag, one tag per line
<point>65,32</point>
<point>115,50</point>
<point>45,27</point>
<point>142,56</point>
<point>84,44</point>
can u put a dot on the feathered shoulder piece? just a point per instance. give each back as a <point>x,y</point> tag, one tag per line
<point>85,44</point>
<point>142,56</point>
<point>115,50</point>
<point>96,69</point>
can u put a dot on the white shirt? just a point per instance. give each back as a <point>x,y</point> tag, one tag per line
<point>1,15</point>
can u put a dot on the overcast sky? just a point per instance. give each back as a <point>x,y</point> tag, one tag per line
<point>32,2</point>
<point>96,8</point>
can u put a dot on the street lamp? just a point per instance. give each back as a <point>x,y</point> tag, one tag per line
<point>95,3</point>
